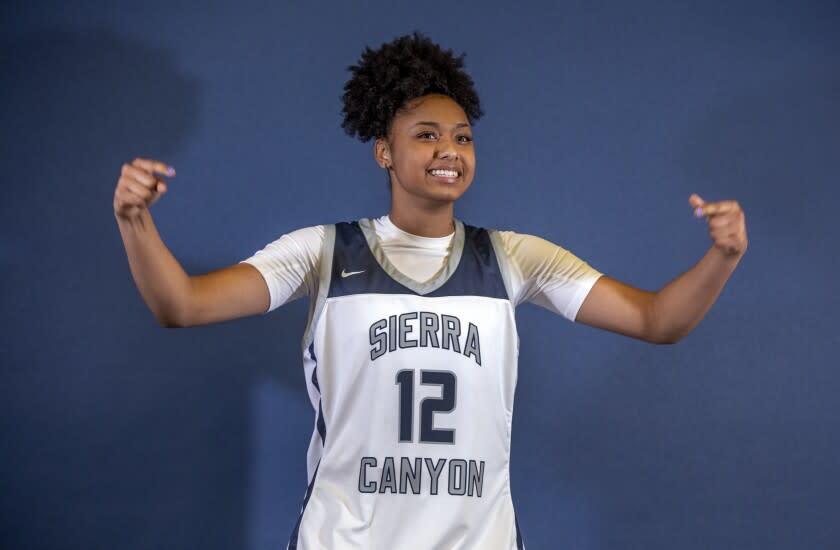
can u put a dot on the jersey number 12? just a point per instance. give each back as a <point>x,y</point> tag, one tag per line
<point>428,406</point>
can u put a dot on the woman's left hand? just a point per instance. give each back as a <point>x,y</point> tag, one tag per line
<point>727,224</point>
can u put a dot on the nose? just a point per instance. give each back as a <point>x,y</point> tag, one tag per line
<point>446,149</point>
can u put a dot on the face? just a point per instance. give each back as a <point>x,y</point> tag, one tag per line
<point>428,152</point>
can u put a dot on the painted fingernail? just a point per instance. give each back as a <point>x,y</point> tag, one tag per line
<point>170,171</point>
<point>698,212</point>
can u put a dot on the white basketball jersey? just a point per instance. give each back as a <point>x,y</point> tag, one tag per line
<point>412,384</point>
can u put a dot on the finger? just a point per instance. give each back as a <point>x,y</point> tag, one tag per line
<point>154,166</point>
<point>696,203</point>
<point>159,190</point>
<point>139,175</point>
<point>137,189</point>
<point>722,207</point>
<point>724,221</point>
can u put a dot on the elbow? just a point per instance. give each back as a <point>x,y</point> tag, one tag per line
<point>166,322</point>
<point>662,330</point>
<point>661,335</point>
<point>666,339</point>
<point>171,320</point>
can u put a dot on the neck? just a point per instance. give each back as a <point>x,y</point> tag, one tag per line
<point>431,221</point>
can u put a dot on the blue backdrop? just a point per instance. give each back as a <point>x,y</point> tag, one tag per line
<point>601,119</point>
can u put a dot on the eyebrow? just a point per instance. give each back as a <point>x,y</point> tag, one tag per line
<point>436,125</point>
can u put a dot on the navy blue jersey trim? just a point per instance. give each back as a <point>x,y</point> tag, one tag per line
<point>314,377</point>
<point>520,545</point>
<point>293,540</point>
<point>356,271</point>
<point>322,431</point>
<point>322,425</point>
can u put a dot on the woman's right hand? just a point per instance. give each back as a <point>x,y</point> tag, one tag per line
<point>138,187</point>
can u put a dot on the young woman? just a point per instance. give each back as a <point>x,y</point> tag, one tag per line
<point>410,351</point>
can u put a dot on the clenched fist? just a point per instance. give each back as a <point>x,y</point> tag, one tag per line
<point>727,224</point>
<point>138,187</point>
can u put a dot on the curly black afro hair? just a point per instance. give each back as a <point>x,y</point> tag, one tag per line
<point>407,68</point>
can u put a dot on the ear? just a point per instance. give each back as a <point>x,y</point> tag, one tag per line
<point>382,153</point>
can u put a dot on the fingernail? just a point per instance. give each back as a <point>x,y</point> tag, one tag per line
<point>170,171</point>
<point>698,212</point>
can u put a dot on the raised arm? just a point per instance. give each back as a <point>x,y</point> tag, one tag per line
<point>175,298</point>
<point>666,316</point>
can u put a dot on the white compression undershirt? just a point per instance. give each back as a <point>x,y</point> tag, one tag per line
<point>541,272</point>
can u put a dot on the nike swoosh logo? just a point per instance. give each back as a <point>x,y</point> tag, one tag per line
<point>346,274</point>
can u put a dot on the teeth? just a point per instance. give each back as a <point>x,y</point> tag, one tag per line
<point>445,173</point>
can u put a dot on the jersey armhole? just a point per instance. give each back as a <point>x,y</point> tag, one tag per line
<point>316,305</point>
<point>503,262</point>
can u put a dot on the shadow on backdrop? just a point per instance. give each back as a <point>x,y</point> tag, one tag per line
<point>125,435</point>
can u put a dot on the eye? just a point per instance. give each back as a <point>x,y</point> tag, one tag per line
<point>426,135</point>
<point>464,139</point>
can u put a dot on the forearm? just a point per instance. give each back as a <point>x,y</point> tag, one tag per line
<point>161,280</point>
<point>681,304</point>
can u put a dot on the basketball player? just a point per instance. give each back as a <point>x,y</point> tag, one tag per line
<point>410,350</point>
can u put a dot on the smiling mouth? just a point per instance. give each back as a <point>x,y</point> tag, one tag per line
<point>449,174</point>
